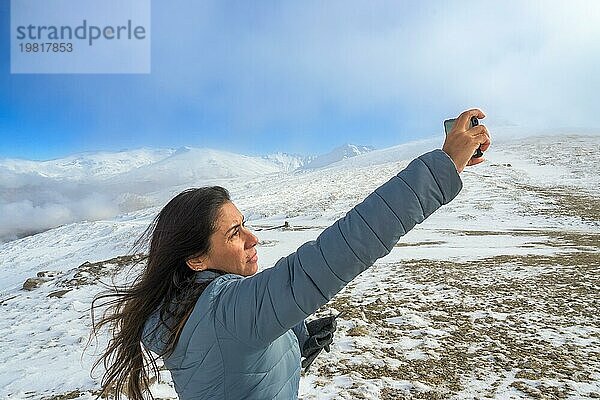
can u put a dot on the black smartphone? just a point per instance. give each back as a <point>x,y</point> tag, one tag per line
<point>449,123</point>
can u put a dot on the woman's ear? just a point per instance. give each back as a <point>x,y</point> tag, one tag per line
<point>196,264</point>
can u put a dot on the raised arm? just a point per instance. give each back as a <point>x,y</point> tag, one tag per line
<point>260,308</point>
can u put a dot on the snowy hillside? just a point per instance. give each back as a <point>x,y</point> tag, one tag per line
<point>494,296</point>
<point>337,154</point>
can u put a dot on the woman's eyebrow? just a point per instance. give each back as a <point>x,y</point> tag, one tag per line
<point>236,225</point>
<point>233,227</point>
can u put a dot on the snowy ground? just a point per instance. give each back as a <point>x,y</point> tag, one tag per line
<point>494,296</point>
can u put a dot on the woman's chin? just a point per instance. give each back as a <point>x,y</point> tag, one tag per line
<point>253,268</point>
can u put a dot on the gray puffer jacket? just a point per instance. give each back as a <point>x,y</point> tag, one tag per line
<point>243,338</point>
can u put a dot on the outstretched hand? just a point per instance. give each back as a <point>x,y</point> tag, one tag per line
<point>462,141</point>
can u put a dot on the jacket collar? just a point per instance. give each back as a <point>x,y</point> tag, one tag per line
<point>207,275</point>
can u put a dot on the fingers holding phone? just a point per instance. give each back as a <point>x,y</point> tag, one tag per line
<point>466,139</point>
<point>465,119</point>
<point>481,134</point>
<point>481,137</point>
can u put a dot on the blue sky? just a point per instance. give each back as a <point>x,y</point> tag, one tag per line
<point>304,77</point>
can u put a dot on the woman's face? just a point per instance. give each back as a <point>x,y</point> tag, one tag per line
<point>232,246</point>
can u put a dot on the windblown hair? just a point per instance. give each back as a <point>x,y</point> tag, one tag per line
<point>181,230</point>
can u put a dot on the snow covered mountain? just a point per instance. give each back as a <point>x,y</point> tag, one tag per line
<point>192,166</point>
<point>288,162</point>
<point>337,154</point>
<point>505,274</point>
<point>85,165</point>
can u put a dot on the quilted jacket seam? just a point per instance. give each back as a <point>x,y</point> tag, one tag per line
<point>314,284</point>
<point>234,336</point>
<point>275,314</point>
<point>326,263</point>
<point>292,375</point>
<point>350,247</point>
<point>416,195</point>
<point>222,360</point>
<point>392,210</point>
<point>374,233</point>
<point>436,181</point>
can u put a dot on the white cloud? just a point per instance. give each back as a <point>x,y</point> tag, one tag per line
<point>34,208</point>
<point>531,63</point>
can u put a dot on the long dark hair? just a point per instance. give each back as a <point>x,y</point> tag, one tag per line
<point>181,230</point>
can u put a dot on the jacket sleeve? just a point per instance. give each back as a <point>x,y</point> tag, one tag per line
<point>301,332</point>
<point>260,308</point>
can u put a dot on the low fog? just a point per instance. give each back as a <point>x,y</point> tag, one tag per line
<point>39,195</point>
<point>31,204</point>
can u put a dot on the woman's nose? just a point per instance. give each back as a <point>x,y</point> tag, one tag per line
<point>251,239</point>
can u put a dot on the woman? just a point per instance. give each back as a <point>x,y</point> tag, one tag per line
<point>226,331</point>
